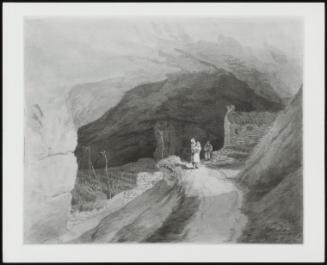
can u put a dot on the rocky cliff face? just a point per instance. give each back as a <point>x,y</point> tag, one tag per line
<point>269,73</point>
<point>50,168</point>
<point>273,178</point>
<point>89,101</point>
<point>158,119</point>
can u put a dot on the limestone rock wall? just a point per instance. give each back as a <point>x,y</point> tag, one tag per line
<point>50,168</point>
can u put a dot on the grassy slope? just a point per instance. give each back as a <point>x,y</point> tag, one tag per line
<point>89,190</point>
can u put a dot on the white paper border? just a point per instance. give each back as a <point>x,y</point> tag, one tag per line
<point>13,104</point>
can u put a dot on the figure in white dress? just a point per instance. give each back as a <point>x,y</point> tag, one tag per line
<point>196,156</point>
<point>193,147</point>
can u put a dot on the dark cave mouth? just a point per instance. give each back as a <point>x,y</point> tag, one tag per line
<point>132,146</point>
<point>92,182</point>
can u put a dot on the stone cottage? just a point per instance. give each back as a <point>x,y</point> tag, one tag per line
<point>245,129</point>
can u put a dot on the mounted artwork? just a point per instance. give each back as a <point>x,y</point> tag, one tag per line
<point>158,129</point>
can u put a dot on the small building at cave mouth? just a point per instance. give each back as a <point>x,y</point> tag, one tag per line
<point>245,129</point>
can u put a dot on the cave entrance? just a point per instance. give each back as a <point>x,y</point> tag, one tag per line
<point>106,168</point>
<point>217,143</point>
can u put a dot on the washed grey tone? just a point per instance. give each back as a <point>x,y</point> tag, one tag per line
<point>112,103</point>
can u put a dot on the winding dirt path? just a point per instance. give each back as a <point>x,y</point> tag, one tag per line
<point>218,218</point>
<point>203,207</point>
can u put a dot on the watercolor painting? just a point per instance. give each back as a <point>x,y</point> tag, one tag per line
<point>163,130</point>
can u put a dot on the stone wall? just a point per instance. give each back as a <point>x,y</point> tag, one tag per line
<point>247,134</point>
<point>243,132</point>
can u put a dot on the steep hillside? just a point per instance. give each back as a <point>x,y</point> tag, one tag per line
<point>158,119</point>
<point>273,179</point>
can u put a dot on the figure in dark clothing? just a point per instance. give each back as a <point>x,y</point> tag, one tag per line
<point>208,150</point>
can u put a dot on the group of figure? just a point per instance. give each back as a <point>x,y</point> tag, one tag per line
<point>196,150</point>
